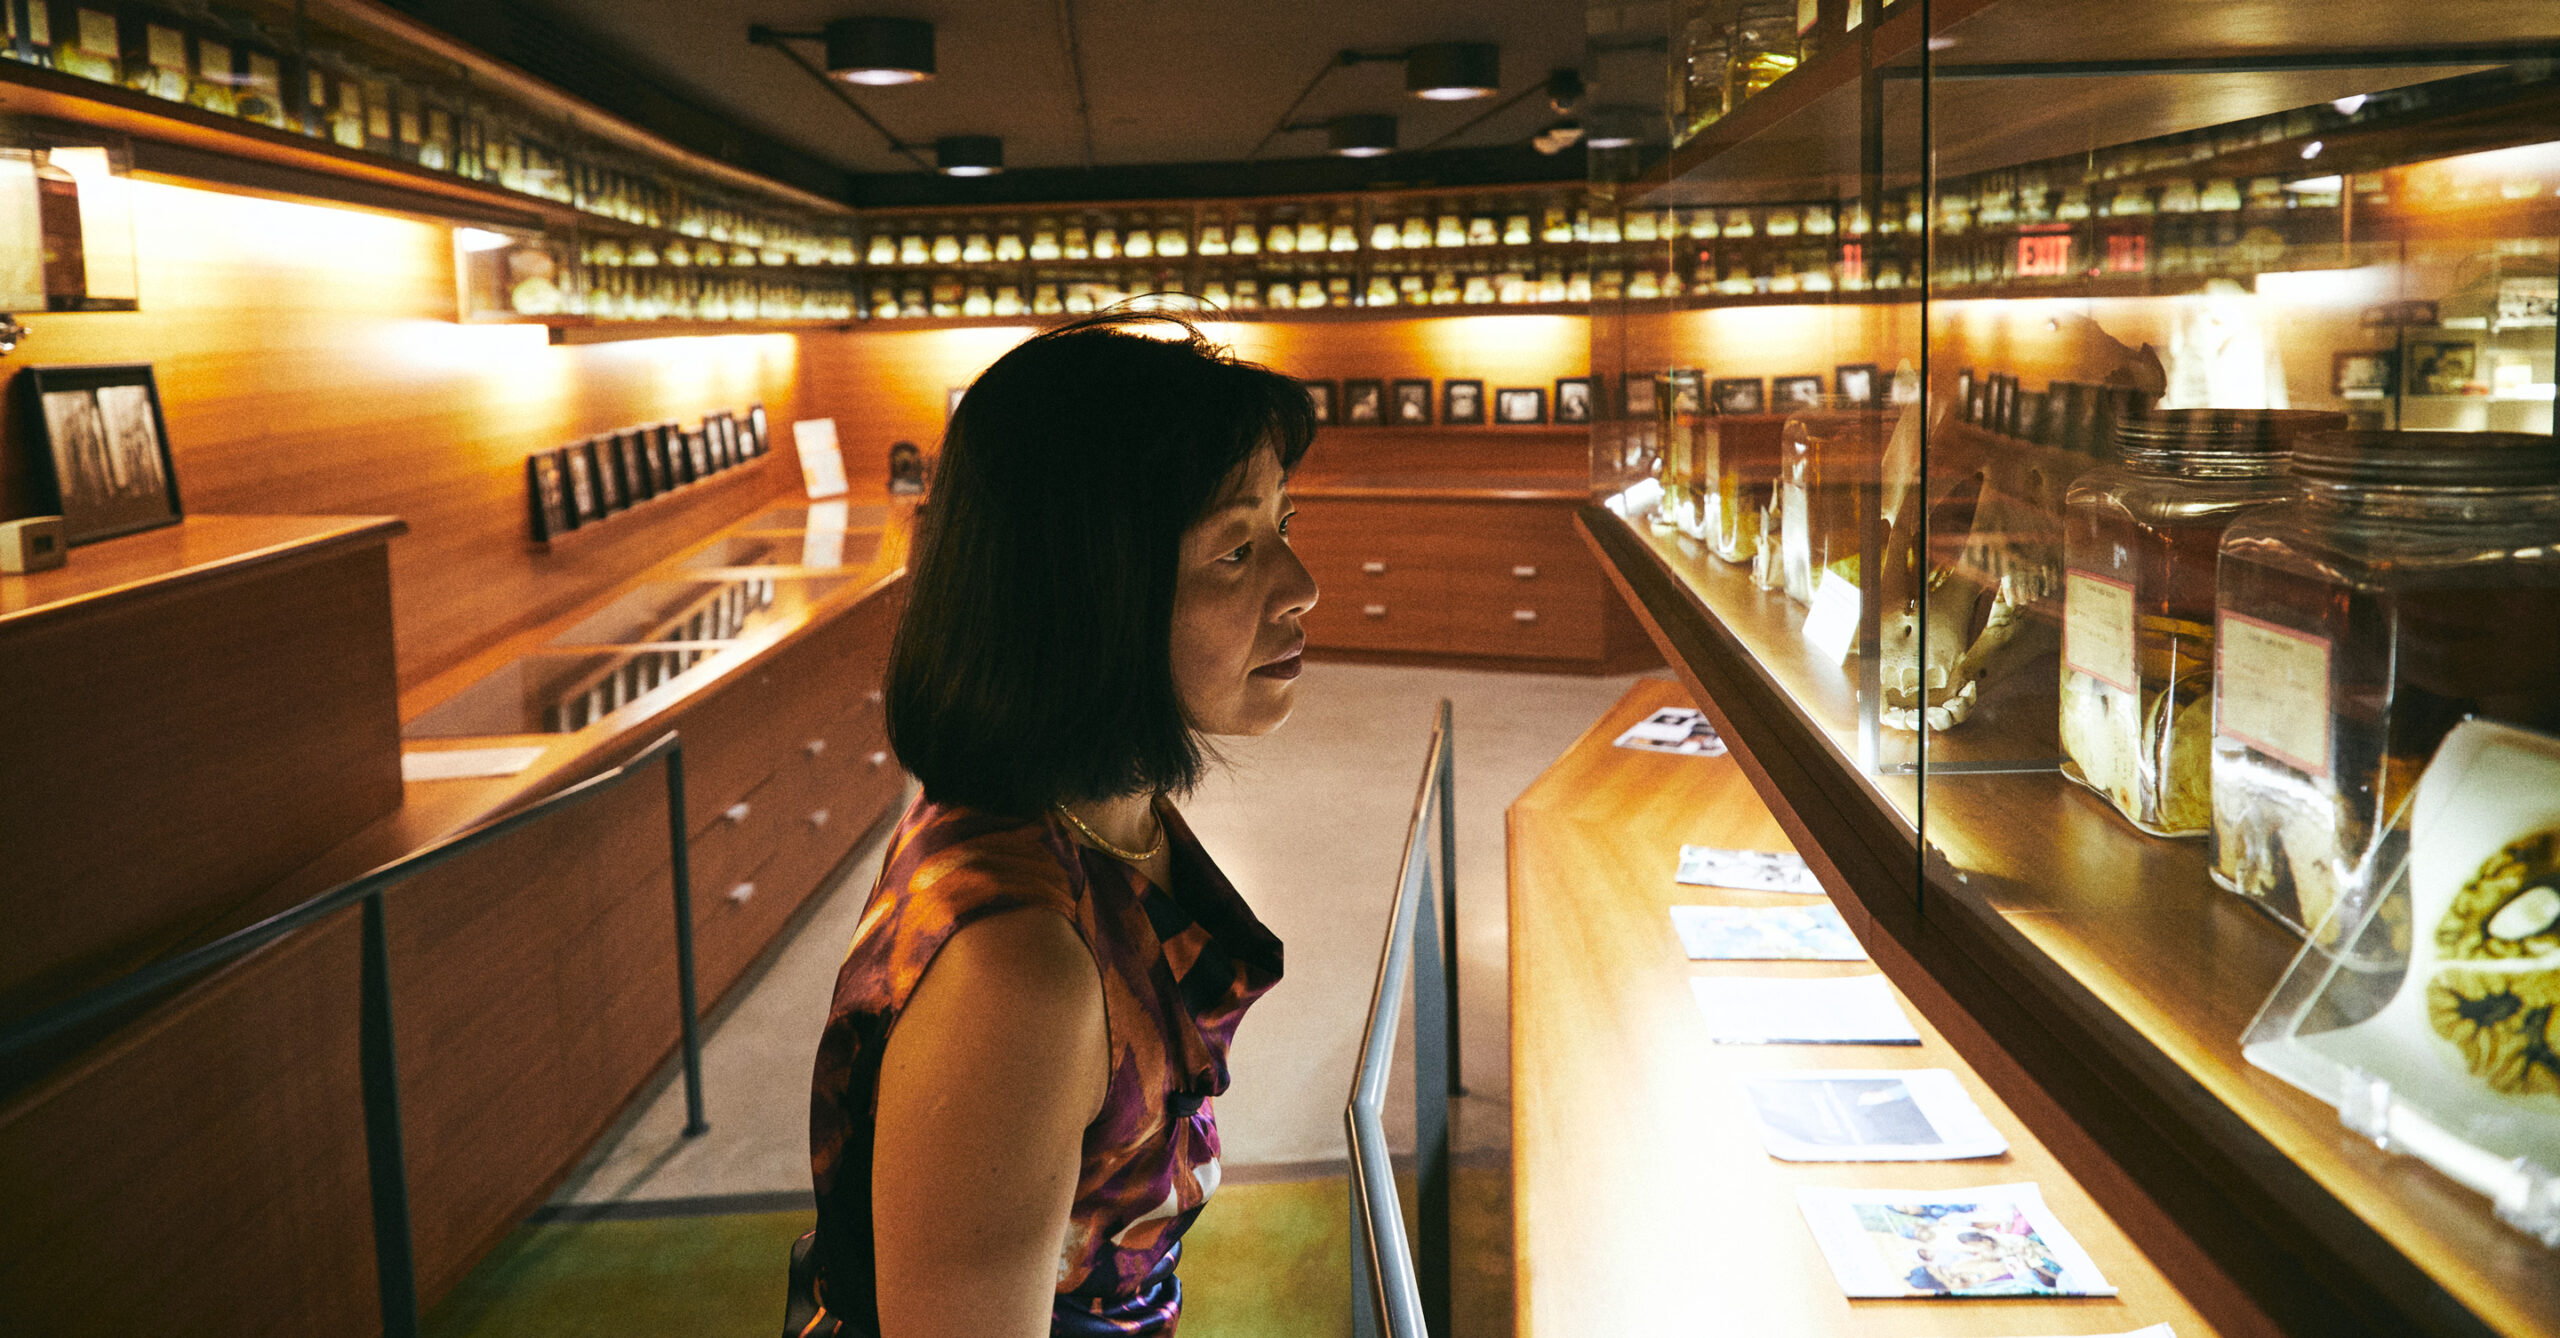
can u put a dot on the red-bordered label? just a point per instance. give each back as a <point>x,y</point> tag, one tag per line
<point>2097,629</point>
<point>2271,691</point>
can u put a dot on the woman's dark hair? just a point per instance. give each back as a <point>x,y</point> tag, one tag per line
<point>1034,662</point>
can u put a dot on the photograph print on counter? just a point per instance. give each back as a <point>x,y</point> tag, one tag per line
<point>1413,403</point>
<point>1364,403</point>
<point>1739,394</point>
<point>1520,405</point>
<point>105,467</point>
<point>1796,392</point>
<point>1573,399</point>
<point>1462,403</point>
<point>1325,400</point>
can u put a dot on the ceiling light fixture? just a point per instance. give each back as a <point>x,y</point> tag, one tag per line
<point>1366,135</point>
<point>880,51</point>
<point>1559,137</point>
<point>1612,127</point>
<point>1453,71</point>
<point>968,155</point>
<point>1565,90</point>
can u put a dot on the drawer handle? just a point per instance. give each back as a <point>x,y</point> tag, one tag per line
<point>879,760</point>
<point>818,819</point>
<point>874,697</point>
<point>815,746</point>
<point>1525,573</point>
<point>1374,568</point>
<point>1374,610</point>
<point>1524,615</point>
<point>742,892</point>
<point>737,812</point>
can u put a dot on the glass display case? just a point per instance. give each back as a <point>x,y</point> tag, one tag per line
<point>2095,458</point>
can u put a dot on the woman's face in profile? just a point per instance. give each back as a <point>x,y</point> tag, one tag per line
<point>1236,639</point>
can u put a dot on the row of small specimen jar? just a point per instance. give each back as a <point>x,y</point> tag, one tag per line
<point>938,296</point>
<point>2270,623</point>
<point>244,65</point>
<point>1136,237</point>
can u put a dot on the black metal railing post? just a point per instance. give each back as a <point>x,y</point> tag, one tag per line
<point>1448,782</point>
<point>395,1263</point>
<point>680,856</point>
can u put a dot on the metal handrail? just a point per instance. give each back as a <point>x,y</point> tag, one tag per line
<point>394,1250</point>
<point>1391,1294</point>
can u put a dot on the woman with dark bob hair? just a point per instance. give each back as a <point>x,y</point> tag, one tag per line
<point>1011,1123</point>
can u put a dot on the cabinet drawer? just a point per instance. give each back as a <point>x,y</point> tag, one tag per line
<point>1390,610</point>
<point>740,836</point>
<point>1500,615</point>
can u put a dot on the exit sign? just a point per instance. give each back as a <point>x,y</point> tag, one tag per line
<point>2044,255</point>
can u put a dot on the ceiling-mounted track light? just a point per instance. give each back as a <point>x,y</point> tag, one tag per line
<point>1453,71</point>
<point>880,51</point>
<point>1362,136</point>
<point>968,155</point>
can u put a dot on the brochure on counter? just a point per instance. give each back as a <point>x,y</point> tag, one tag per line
<point>1997,1240</point>
<point>1748,870</point>
<point>1842,1010</point>
<point>1674,729</point>
<point>1765,933</point>
<point>1869,1115</point>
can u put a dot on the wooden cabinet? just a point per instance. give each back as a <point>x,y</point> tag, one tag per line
<point>1491,576</point>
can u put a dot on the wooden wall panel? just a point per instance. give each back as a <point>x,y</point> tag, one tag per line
<point>309,364</point>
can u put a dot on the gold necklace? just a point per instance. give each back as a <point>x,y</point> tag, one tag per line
<point>1131,856</point>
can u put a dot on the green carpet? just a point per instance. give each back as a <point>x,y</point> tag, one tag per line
<point>1265,1260</point>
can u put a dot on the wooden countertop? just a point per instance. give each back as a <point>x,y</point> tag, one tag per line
<point>1452,485</point>
<point>197,548</point>
<point>1642,1199</point>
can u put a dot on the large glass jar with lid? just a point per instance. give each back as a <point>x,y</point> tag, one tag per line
<point>1826,448</point>
<point>2140,541</point>
<point>2415,583</point>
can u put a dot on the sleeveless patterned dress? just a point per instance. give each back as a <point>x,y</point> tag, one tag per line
<point>1178,970</point>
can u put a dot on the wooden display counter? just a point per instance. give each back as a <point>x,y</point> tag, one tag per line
<point>1642,1199</point>
<point>204,1166</point>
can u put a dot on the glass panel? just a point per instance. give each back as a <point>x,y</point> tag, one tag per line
<point>823,548</point>
<point>816,515</point>
<point>555,693</point>
<point>698,610</point>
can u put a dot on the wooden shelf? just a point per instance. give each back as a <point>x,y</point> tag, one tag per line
<point>197,548</point>
<point>1265,315</point>
<point>589,330</point>
<point>2097,965</point>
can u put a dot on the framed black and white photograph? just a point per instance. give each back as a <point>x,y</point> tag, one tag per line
<point>1413,403</point>
<point>1573,399</point>
<point>1520,405</point>
<point>548,489</point>
<point>2442,366</point>
<point>759,431</point>
<point>723,427</point>
<point>1364,403</point>
<point>633,444</point>
<point>1640,398</point>
<point>1326,399</point>
<point>697,451</point>
<point>1462,403</point>
<point>105,467</point>
<point>1739,394</point>
<point>583,501</point>
<point>1856,382</point>
<point>664,461</point>
<point>2364,374</point>
<point>1966,404</point>
<point>1688,388</point>
<point>610,496</point>
<point>1796,392</point>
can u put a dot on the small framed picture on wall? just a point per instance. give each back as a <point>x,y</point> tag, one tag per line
<point>548,490</point>
<point>1739,394</point>
<point>583,501</point>
<point>633,444</point>
<point>1856,382</point>
<point>724,439</point>
<point>2364,374</point>
<point>1796,392</point>
<point>697,449</point>
<point>1520,405</point>
<point>759,431</point>
<point>1325,398</point>
<point>1364,403</point>
<point>1413,403</point>
<point>608,474</point>
<point>664,458</point>
<point>1462,403</point>
<point>1573,399</point>
<point>1688,390</point>
<point>1639,397</point>
<point>104,466</point>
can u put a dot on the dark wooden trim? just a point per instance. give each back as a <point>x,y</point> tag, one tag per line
<point>2306,1260</point>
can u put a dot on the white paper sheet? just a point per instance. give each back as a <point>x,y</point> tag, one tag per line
<point>467,763</point>
<point>1674,729</point>
<point>821,459</point>
<point>1994,1240</point>
<point>1844,1010</point>
<point>1765,934</point>
<point>1751,870</point>
<point>1868,1115</point>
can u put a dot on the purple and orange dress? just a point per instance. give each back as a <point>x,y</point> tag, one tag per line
<point>1178,969</point>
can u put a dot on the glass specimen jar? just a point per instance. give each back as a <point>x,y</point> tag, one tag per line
<point>1825,450</point>
<point>2139,546</point>
<point>1764,48</point>
<point>1737,461</point>
<point>2415,583</point>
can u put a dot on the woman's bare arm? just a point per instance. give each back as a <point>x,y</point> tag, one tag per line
<point>998,1062</point>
